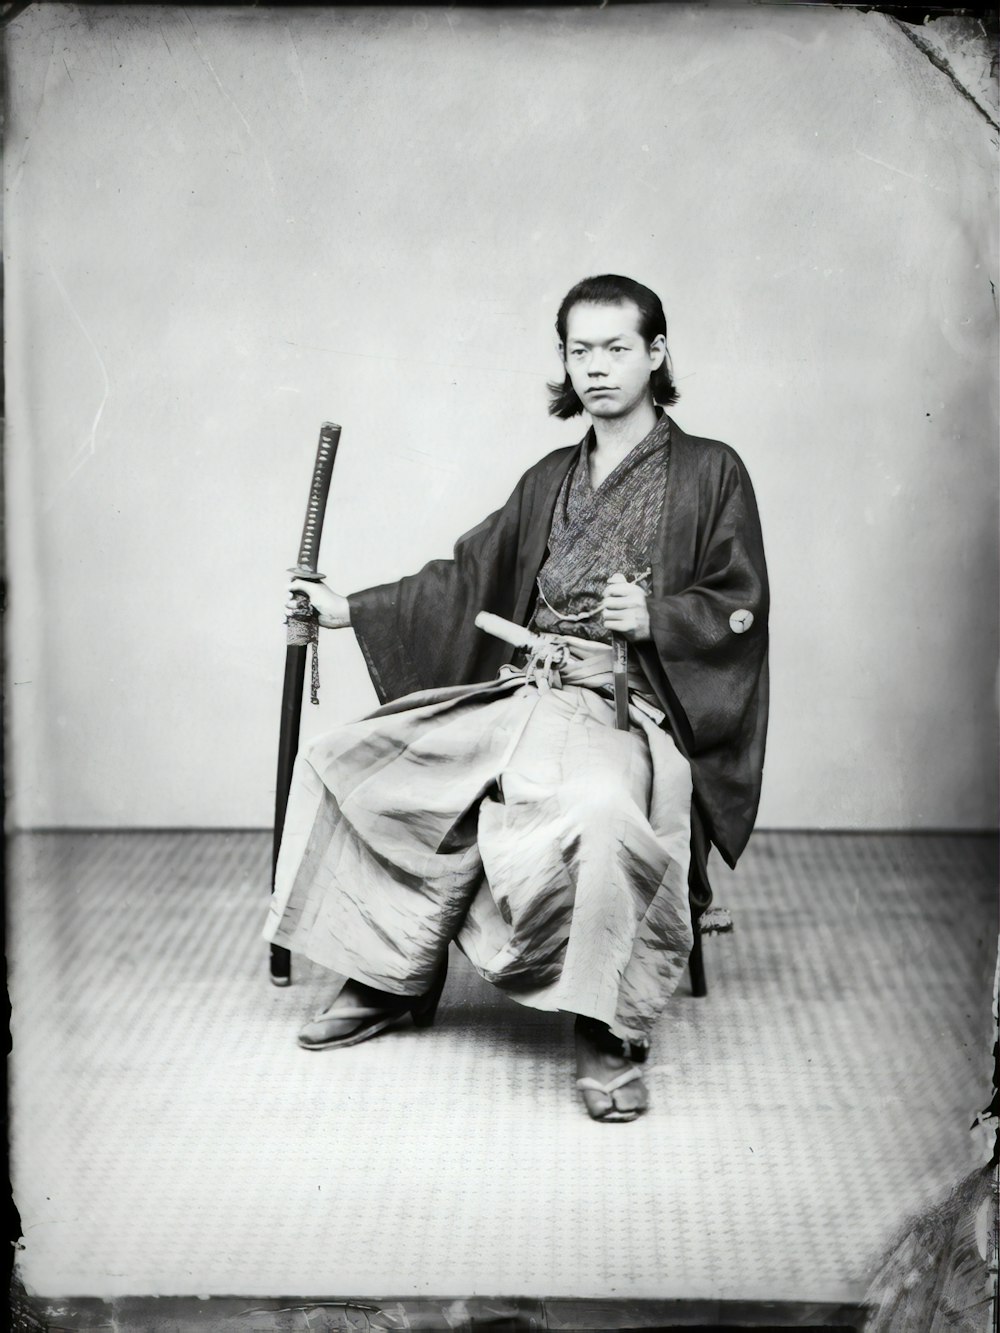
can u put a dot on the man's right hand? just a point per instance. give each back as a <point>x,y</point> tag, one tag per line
<point>332,609</point>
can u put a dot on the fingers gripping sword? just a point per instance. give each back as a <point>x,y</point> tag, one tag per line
<point>302,630</point>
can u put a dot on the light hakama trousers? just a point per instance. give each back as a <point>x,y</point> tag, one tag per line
<point>513,819</point>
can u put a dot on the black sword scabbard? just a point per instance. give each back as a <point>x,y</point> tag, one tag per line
<point>295,661</point>
<point>619,677</point>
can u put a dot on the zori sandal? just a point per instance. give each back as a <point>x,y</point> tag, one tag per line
<point>614,1113</point>
<point>321,1032</point>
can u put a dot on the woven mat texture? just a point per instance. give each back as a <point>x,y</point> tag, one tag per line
<point>169,1136</point>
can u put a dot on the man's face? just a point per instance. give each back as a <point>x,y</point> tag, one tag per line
<point>607,359</point>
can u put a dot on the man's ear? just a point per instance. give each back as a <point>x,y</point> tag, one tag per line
<point>561,350</point>
<point>658,350</point>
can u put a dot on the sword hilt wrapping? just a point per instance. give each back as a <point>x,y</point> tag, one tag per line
<point>312,529</point>
<point>303,623</point>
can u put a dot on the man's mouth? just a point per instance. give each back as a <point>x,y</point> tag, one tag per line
<point>602,389</point>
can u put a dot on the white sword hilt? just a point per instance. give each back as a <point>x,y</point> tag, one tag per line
<point>520,637</point>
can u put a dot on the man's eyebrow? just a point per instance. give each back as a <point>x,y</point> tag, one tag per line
<point>580,342</point>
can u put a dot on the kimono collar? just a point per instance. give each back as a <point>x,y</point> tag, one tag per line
<point>657,438</point>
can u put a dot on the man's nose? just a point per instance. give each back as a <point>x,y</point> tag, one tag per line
<point>598,364</point>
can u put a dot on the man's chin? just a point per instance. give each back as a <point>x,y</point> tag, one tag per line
<point>606,407</point>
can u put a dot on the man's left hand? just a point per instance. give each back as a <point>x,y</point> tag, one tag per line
<point>624,609</point>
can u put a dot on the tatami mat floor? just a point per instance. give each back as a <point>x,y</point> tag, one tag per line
<point>168,1135</point>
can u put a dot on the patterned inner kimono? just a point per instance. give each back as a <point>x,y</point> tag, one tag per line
<point>596,534</point>
<point>510,817</point>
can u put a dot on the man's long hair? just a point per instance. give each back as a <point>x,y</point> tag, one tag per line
<point>612,289</point>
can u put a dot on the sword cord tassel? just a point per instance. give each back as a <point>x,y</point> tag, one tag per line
<point>304,630</point>
<point>314,676</point>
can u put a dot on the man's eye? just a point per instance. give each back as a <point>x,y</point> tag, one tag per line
<point>619,349</point>
<point>577,351</point>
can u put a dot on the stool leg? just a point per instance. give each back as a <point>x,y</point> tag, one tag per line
<point>696,966</point>
<point>281,966</point>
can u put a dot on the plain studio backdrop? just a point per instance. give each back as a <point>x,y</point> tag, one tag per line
<point>225,227</point>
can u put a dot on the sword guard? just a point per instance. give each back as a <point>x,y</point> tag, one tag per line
<point>305,572</point>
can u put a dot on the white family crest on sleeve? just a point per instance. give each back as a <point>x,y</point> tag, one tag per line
<point>740,621</point>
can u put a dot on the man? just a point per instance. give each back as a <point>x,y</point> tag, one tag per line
<point>491,800</point>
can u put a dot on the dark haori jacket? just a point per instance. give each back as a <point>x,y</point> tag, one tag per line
<point>707,662</point>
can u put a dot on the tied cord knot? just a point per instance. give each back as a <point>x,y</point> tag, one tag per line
<point>542,667</point>
<point>302,630</point>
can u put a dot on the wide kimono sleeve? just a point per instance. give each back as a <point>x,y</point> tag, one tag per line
<point>419,633</point>
<point>708,620</point>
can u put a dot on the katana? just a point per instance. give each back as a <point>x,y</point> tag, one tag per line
<point>302,632</point>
